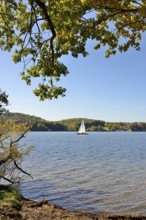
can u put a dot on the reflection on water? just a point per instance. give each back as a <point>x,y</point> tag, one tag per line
<point>98,172</point>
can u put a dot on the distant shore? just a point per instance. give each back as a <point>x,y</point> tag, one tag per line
<point>72,124</point>
<point>33,210</point>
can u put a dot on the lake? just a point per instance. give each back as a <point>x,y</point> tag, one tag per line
<point>99,172</point>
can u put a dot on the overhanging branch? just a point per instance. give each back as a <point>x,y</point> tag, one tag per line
<point>23,135</point>
<point>19,168</point>
<point>50,23</point>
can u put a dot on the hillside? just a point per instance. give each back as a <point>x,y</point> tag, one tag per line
<point>39,124</point>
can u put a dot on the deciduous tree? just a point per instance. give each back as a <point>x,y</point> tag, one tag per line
<point>40,32</point>
<point>11,152</point>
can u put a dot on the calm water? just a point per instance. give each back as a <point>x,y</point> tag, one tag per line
<point>99,172</point>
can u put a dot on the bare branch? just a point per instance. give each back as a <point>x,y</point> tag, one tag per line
<point>10,181</point>
<point>19,168</point>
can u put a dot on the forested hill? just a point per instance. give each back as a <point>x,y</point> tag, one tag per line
<point>39,124</point>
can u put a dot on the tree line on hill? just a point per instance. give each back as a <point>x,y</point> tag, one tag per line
<point>39,124</point>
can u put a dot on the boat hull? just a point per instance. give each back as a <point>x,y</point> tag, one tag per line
<point>82,133</point>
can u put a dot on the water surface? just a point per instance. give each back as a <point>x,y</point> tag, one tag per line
<point>99,172</point>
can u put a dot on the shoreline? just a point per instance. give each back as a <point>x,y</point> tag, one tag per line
<point>43,210</point>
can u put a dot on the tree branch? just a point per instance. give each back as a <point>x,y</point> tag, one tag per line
<point>47,17</point>
<point>23,135</point>
<point>119,11</point>
<point>19,168</point>
<point>10,181</point>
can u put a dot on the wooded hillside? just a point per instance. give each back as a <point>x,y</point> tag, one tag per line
<point>39,124</point>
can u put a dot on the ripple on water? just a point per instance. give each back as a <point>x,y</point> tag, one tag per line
<point>100,172</point>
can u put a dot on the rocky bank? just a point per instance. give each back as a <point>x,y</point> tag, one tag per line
<point>32,210</point>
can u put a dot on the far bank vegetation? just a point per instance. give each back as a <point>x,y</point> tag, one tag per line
<point>39,124</point>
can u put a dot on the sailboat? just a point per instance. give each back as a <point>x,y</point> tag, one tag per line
<point>82,130</point>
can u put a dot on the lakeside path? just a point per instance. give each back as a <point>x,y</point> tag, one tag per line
<point>32,210</point>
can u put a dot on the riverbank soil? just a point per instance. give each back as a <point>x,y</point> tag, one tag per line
<point>32,210</point>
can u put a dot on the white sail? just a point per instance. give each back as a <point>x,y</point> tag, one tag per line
<point>82,129</point>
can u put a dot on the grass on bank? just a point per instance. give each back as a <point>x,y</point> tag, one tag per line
<point>9,196</point>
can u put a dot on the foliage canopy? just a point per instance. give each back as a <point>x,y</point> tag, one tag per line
<point>40,32</point>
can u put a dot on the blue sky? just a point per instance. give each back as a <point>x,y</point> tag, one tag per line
<point>111,89</point>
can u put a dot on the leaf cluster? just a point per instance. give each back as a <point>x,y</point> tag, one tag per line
<point>3,101</point>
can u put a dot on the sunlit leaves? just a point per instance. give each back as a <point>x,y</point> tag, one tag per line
<point>41,32</point>
<point>9,129</point>
<point>49,92</point>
